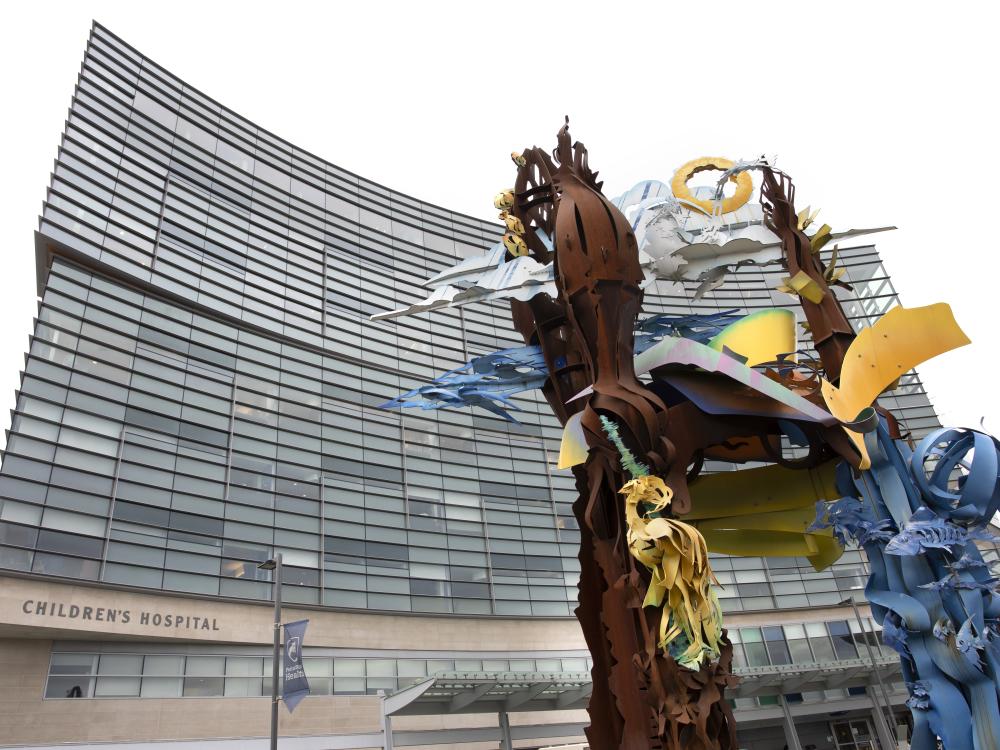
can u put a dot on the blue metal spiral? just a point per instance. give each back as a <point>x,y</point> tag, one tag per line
<point>918,515</point>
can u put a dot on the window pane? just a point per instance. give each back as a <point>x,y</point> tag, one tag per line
<point>108,687</point>
<point>843,642</point>
<point>799,649</point>
<point>120,665</point>
<point>204,675</point>
<point>205,666</point>
<point>69,687</point>
<point>756,654</point>
<point>203,686</point>
<point>412,668</point>
<point>244,666</point>
<point>349,667</point>
<point>163,665</point>
<point>380,667</point>
<point>822,649</point>
<point>161,687</point>
<point>243,686</point>
<point>73,663</point>
<point>349,685</point>
<point>317,667</point>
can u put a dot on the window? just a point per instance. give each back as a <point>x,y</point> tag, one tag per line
<point>162,676</point>
<point>777,650</point>
<point>71,676</point>
<point>798,644</point>
<point>753,645</point>
<point>319,673</point>
<point>243,676</point>
<point>118,676</point>
<point>843,641</point>
<point>204,676</point>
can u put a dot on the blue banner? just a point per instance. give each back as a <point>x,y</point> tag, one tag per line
<point>296,686</point>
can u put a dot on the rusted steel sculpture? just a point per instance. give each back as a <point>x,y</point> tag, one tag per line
<point>642,698</point>
<point>733,391</point>
<point>829,328</point>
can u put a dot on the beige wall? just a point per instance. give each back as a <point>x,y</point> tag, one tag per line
<point>26,636</point>
<point>26,640</point>
<point>25,718</point>
<point>251,623</point>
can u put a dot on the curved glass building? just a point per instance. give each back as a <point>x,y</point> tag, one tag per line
<point>201,393</point>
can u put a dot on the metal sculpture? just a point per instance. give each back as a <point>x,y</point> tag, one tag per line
<point>643,697</point>
<point>917,513</point>
<point>732,389</point>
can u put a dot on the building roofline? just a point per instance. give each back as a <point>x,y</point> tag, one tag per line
<point>96,25</point>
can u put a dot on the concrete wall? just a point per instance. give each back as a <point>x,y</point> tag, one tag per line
<point>25,718</point>
<point>34,612</point>
<point>26,637</point>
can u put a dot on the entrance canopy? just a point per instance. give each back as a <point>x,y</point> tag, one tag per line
<point>782,679</point>
<point>491,692</point>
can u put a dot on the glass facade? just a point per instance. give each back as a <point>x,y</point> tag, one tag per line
<point>202,385</point>
<point>144,673</point>
<point>149,671</point>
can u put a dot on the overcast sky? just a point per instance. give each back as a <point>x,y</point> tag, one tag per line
<point>884,113</point>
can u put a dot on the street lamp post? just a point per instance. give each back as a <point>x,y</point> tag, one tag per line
<point>885,713</point>
<point>275,565</point>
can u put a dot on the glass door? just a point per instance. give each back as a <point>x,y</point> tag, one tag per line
<point>854,734</point>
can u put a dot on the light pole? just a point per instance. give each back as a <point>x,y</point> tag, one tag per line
<point>275,565</point>
<point>887,712</point>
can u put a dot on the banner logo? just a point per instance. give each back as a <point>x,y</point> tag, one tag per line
<point>296,686</point>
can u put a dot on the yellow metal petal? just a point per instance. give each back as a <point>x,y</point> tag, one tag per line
<point>899,341</point>
<point>765,511</point>
<point>768,488</point>
<point>820,239</point>
<point>504,199</point>
<point>804,286</point>
<point>515,244</point>
<point>803,218</point>
<point>760,336</point>
<point>573,449</point>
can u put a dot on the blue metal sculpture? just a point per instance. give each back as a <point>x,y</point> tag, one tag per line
<point>488,382</point>
<point>491,380</point>
<point>918,515</point>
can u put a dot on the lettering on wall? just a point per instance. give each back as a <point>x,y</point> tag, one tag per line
<point>171,620</point>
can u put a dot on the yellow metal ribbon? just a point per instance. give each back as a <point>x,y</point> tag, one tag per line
<point>677,557</point>
<point>898,341</point>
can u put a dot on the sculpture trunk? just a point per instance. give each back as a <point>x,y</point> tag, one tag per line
<point>642,698</point>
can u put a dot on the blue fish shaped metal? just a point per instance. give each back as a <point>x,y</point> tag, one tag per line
<point>965,562</point>
<point>894,635</point>
<point>926,530</point>
<point>874,531</point>
<point>487,382</point>
<point>968,643</point>
<point>948,583</point>
<point>851,520</point>
<point>943,629</point>
<point>919,695</point>
<point>954,583</point>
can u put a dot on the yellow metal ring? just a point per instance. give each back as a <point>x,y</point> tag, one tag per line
<point>744,185</point>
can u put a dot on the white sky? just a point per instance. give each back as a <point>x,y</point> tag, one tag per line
<point>884,113</point>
